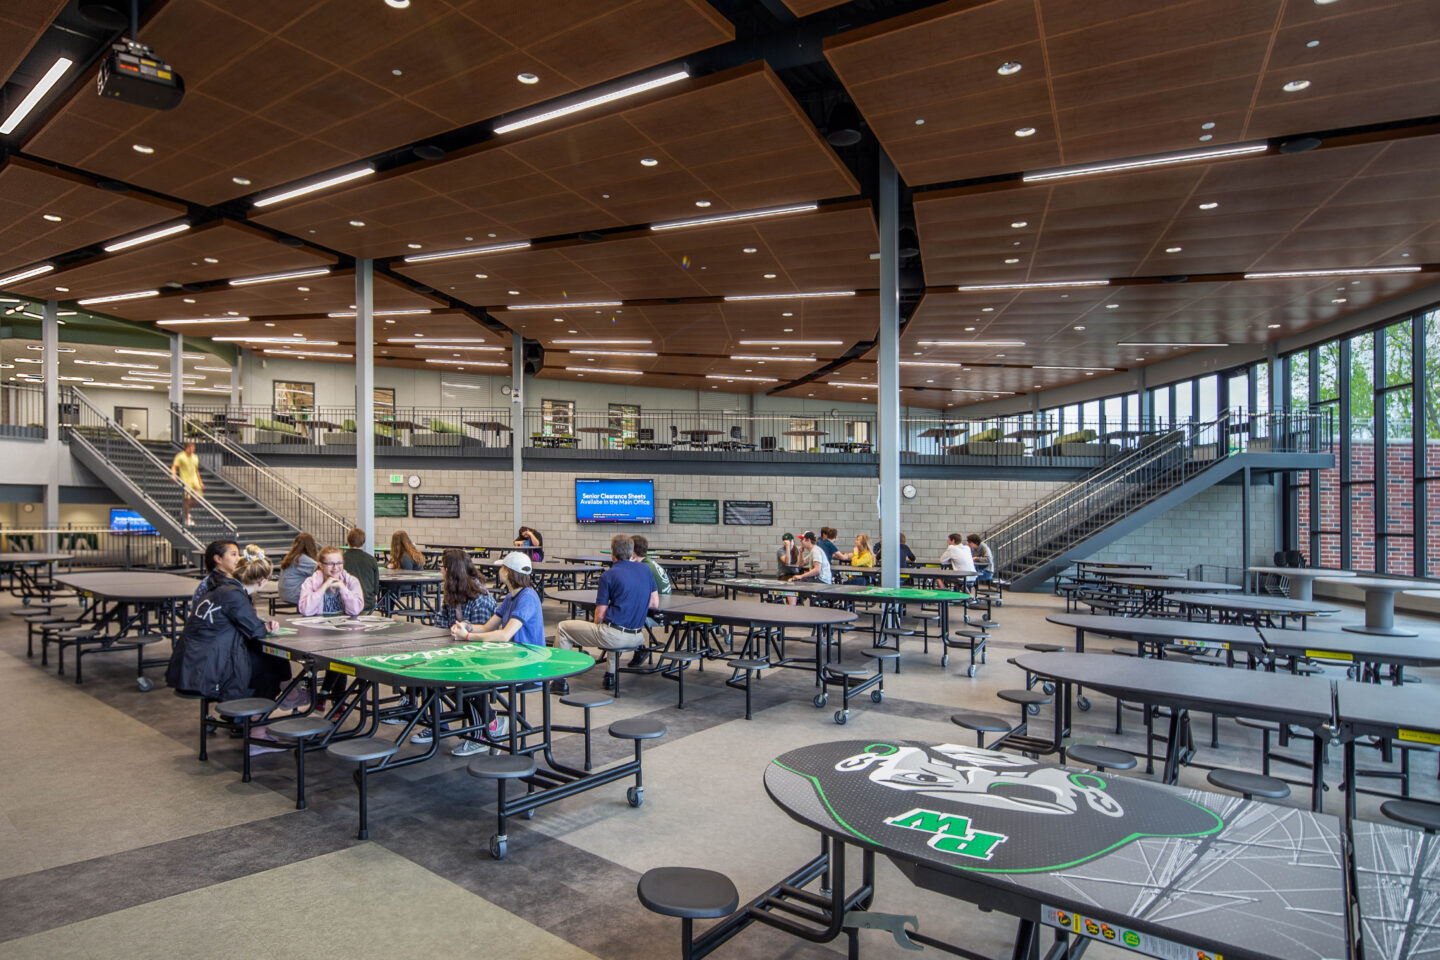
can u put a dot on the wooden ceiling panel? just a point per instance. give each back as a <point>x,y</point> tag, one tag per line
<point>803,8</point>
<point>22,22</point>
<point>323,295</point>
<point>1163,29</point>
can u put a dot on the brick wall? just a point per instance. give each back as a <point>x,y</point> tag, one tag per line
<point>1398,480</point>
<point>1204,530</point>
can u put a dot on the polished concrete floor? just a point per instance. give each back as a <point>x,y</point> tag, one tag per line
<point>118,843</point>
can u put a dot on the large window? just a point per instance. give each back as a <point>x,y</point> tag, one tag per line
<point>624,417</point>
<point>293,398</point>
<point>557,418</point>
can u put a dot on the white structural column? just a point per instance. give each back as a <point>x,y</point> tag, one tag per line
<point>517,427</point>
<point>365,399</point>
<point>50,370</point>
<point>177,385</point>
<point>888,395</point>
<point>235,379</point>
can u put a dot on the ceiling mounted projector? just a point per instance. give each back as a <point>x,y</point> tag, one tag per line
<point>133,74</point>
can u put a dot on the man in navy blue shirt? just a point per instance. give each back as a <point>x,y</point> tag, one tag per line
<point>625,595</point>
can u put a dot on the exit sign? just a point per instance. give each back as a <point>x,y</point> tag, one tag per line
<point>397,478</point>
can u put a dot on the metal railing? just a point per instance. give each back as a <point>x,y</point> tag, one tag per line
<point>22,411</point>
<point>336,427</point>
<point>1055,523</point>
<point>147,477</point>
<point>256,481</point>
<point>93,545</point>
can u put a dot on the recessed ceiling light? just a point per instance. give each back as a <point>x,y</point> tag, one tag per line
<point>1025,132</point>
<point>389,321</point>
<point>787,313</point>
<point>211,260</point>
<point>67,290</point>
<point>1273,326</point>
<point>142,148</point>
<point>269,323</point>
<point>1012,259</point>
<point>1079,326</point>
<point>649,162</point>
<point>987,309</point>
<point>303,289</point>
<point>1295,86</point>
<point>357,223</point>
<point>527,78</point>
<point>1312,43</point>
<point>186,299</point>
<point>919,122</point>
<point>53,218</point>
<point>1339,300</point>
<point>1209,205</point>
<point>397,4</point>
<point>1112,306</point>
<point>702,203</point>
<point>513,293</point>
<point>1173,249</point>
<point>1206,136</point>
<point>969,329</point>
<point>397,72</point>
<point>1020,223</point>
<point>1324,3</point>
<point>1208,125</point>
<point>769,276</point>
<point>414,246</point>
<point>1009,68</point>
<point>241,181</point>
<point>482,276</point>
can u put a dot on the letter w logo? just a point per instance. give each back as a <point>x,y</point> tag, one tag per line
<point>950,833</point>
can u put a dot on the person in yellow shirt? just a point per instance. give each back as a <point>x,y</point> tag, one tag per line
<point>861,556</point>
<point>186,468</point>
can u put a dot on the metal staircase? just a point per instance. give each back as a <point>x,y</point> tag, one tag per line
<point>1123,495</point>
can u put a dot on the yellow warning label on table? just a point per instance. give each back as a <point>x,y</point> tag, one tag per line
<point>1418,736</point>
<point>691,619</point>
<point>344,668</point>
<point>1329,655</point>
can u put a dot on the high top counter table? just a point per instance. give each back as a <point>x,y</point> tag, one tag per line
<point>1380,603</point>
<point>1302,579</point>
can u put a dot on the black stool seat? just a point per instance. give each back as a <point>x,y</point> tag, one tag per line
<point>687,892</point>
<point>682,656</point>
<point>637,728</point>
<point>1026,697</point>
<point>294,728</point>
<point>972,634</point>
<point>587,701</point>
<point>1249,784</point>
<point>363,749</point>
<point>750,664</point>
<point>506,766</point>
<point>1104,758</point>
<point>881,653</point>
<point>245,707</point>
<point>980,722</point>
<point>1417,813</point>
<point>848,671</point>
<point>896,632</point>
<point>1045,647</point>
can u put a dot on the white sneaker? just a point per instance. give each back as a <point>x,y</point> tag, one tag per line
<point>189,521</point>
<point>468,748</point>
<point>422,736</point>
<point>498,728</point>
<point>394,722</point>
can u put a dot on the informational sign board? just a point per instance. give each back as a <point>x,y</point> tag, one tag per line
<point>750,513</point>
<point>392,505</point>
<point>438,506</point>
<point>694,511</point>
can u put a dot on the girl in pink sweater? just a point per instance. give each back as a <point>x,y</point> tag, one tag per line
<point>330,590</point>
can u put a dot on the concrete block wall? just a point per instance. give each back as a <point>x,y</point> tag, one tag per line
<point>1203,530</point>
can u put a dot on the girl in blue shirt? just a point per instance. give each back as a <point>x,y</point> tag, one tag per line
<point>465,600</point>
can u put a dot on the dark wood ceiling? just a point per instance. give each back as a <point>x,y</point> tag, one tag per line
<point>271,104</point>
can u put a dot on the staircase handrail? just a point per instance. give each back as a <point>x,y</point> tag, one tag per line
<point>341,525</point>
<point>114,429</point>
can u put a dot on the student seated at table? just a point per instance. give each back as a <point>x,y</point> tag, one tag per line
<point>528,539</point>
<point>815,560</point>
<point>464,601</point>
<point>218,651</point>
<point>299,562</point>
<point>662,579</point>
<point>827,542</point>
<point>787,557</point>
<point>984,558</point>
<point>861,556</point>
<point>362,566</point>
<point>219,562</point>
<point>625,595</point>
<point>403,554</point>
<point>907,556</point>
<point>518,619</point>
<point>330,590</point>
<point>957,555</point>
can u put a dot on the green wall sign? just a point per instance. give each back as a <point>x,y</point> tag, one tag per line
<point>694,511</point>
<point>392,505</point>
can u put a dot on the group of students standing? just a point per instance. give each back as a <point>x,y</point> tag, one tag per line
<point>812,557</point>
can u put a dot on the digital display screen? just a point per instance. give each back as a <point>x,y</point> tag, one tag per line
<point>128,521</point>
<point>615,501</point>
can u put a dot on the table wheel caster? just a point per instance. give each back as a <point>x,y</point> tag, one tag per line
<point>972,670</point>
<point>1082,702</point>
<point>145,684</point>
<point>529,814</point>
<point>497,847</point>
<point>944,659</point>
<point>1049,689</point>
<point>1033,709</point>
<point>876,696</point>
<point>820,699</point>
<point>841,716</point>
<point>635,796</point>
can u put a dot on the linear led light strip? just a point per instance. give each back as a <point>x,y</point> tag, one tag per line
<point>971,343</point>
<point>1162,160</point>
<point>601,342</point>
<point>135,241</point>
<point>334,181</point>
<point>731,376</point>
<point>791,296</point>
<point>632,373</point>
<point>279,341</point>
<point>1133,343</point>
<point>129,352</point>
<point>456,346</point>
<point>184,323</point>
<point>120,363</point>
<point>733,217</point>
<point>383,313</point>
<point>36,94</point>
<point>612,353</point>
<point>759,359</point>
<point>993,393</point>
<point>1047,367</point>
<point>275,277</point>
<point>846,383</point>
<point>117,297</point>
<point>310,353</point>
<point>1344,272</point>
<point>214,369</point>
<point>467,363</point>
<point>564,306</point>
<point>464,252</point>
<point>1055,285</point>
<point>442,340</point>
<point>929,363</point>
<point>579,105</point>
<point>789,343</point>
<point>27,273</point>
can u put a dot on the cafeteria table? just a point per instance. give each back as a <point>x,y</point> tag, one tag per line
<point>1250,606</point>
<point>1363,654</point>
<point>545,573</point>
<point>133,602</point>
<point>688,571</point>
<point>1076,858</point>
<point>1153,590</point>
<point>24,567</point>
<point>1407,714</point>
<point>437,669</point>
<point>1302,579</point>
<point>1379,603</point>
<point>409,593</point>
<point>1278,697</point>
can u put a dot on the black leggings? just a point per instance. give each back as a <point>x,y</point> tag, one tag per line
<point>268,675</point>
